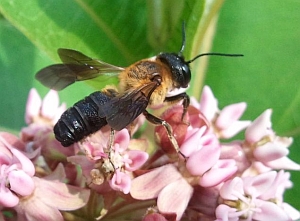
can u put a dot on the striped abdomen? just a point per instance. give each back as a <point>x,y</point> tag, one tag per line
<point>81,120</point>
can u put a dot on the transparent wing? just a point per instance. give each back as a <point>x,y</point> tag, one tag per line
<point>76,67</point>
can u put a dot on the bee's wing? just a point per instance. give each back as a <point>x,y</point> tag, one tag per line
<point>125,108</point>
<point>76,67</point>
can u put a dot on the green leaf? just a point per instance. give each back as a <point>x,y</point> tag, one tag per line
<point>19,61</point>
<point>80,25</point>
<point>119,32</point>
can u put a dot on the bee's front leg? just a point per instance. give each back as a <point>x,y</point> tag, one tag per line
<point>185,101</point>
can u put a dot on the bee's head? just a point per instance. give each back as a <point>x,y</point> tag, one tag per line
<point>180,69</point>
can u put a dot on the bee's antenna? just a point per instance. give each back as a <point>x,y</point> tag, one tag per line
<point>213,53</point>
<point>200,55</point>
<point>183,40</point>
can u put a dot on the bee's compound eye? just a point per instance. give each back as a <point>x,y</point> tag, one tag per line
<point>186,75</point>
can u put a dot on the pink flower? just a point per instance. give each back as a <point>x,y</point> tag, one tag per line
<point>200,145</point>
<point>267,148</point>
<point>50,196</point>
<point>115,164</point>
<point>252,198</point>
<point>199,142</point>
<point>40,116</point>
<point>43,111</point>
<point>95,146</point>
<point>205,148</point>
<point>173,184</point>
<point>224,122</point>
<point>16,172</point>
<point>211,178</point>
<point>166,184</point>
<point>234,151</point>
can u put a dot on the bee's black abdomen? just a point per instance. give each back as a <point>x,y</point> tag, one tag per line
<point>81,120</point>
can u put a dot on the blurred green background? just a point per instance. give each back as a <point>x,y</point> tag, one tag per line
<point>121,32</point>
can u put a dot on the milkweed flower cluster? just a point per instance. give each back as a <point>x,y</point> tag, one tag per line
<point>30,187</point>
<point>125,175</point>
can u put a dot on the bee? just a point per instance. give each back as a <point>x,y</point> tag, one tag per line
<point>153,81</point>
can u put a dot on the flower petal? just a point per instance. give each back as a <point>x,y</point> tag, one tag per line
<point>12,140</point>
<point>269,211</point>
<point>120,182</point>
<point>148,185</point>
<point>60,195</point>
<point>270,151</point>
<point>192,143</point>
<point>122,138</point>
<point>33,105</point>
<point>259,128</point>
<point>293,213</point>
<point>138,158</point>
<point>207,155</point>
<point>255,168</point>
<point>283,163</point>
<point>208,103</point>
<point>196,118</point>
<point>234,128</point>
<point>58,174</point>
<point>59,111</point>
<point>259,184</point>
<point>34,210</point>
<point>50,104</point>
<point>175,197</point>
<point>26,164</point>
<point>19,158</point>
<point>230,114</point>
<point>218,173</point>
<point>276,190</point>
<point>226,213</point>
<point>21,183</point>
<point>7,198</point>
<point>232,189</point>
